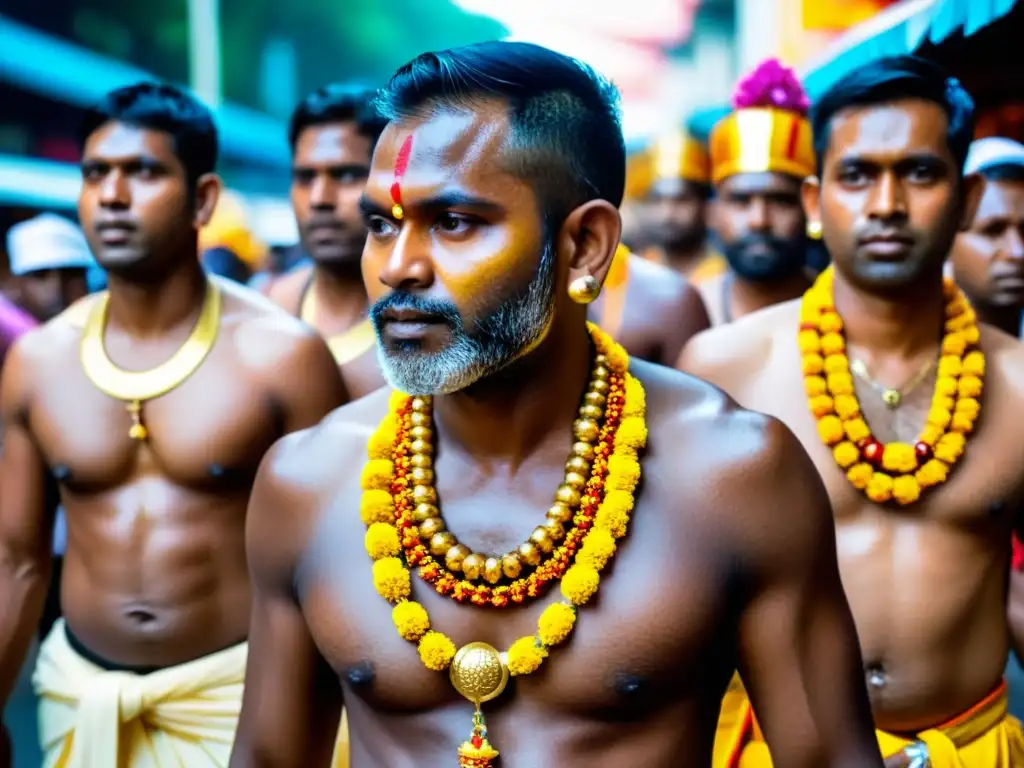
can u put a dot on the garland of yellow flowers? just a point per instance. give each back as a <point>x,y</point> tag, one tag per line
<point>603,516</point>
<point>893,471</point>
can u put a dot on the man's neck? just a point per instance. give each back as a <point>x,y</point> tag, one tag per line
<point>1004,318</point>
<point>746,296</point>
<point>150,308</point>
<point>340,292</point>
<point>903,324</point>
<point>509,416</point>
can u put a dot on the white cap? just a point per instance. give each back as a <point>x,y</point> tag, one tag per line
<point>47,242</point>
<point>993,151</point>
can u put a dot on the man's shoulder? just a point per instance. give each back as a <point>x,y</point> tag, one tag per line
<point>742,342</point>
<point>286,291</point>
<point>55,338</point>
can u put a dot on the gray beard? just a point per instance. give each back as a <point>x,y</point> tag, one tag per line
<point>497,340</point>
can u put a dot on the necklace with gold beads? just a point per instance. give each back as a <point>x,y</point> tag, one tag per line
<point>405,530</point>
<point>136,387</point>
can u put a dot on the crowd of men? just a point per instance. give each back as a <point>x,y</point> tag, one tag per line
<point>797,492</point>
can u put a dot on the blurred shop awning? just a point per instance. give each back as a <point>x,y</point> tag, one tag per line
<point>904,28</point>
<point>45,65</point>
<point>48,185</point>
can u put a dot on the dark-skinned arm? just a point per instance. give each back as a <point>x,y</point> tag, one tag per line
<point>291,707</point>
<point>26,522</point>
<point>690,318</point>
<point>799,654</point>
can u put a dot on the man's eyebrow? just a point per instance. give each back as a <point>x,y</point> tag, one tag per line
<point>369,208</point>
<point>439,202</point>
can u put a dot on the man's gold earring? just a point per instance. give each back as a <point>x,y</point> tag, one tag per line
<point>584,290</point>
<point>814,230</point>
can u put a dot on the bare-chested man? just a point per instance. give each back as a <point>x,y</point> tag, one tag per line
<point>649,309</point>
<point>151,407</point>
<point>332,134</point>
<point>492,210</point>
<point>923,531</point>
<point>760,153</point>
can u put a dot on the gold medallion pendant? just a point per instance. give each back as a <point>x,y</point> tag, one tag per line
<point>133,388</point>
<point>406,530</point>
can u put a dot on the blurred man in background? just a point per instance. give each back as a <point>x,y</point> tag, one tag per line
<point>332,135</point>
<point>759,156</point>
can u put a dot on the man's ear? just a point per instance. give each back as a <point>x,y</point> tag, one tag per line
<point>208,188</point>
<point>589,237</point>
<point>973,190</point>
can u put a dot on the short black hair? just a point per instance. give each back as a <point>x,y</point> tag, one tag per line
<point>892,79</point>
<point>338,103</point>
<point>566,133</point>
<point>165,108</point>
<point>1011,173</point>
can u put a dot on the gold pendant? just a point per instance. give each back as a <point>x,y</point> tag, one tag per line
<point>138,430</point>
<point>891,398</point>
<point>478,673</point>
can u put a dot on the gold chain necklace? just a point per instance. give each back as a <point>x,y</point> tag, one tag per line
<point>347,345</point>
<point>891,396</point>
<point>135,387</point>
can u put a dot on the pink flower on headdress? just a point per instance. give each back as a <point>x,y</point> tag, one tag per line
<point>771,85</point>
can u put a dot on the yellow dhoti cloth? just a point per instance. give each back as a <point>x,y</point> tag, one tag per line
<point>985,736</point>
<point>90,717</point>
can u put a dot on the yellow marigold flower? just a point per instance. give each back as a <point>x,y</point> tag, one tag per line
<point>556,623</point>
<point>899,457</point>
<point>932,473</point>
<point>382,541</point>
<point>832,344</point>
<point>580,583</point>
<point>971,334</point>
<point>879,488</point>
<point>962,423</point>
<point>945,387</point>
<point>906,490</point>
<point>940,417</point>
<point>631,434</point>
<point>968,406</point>
<point>945,403</point>
<point>974,363</point>
<point>613,514</point>
<point>524,656</point>
<point>391,579</point>
<point>397,400</point>
<point>376,507</point>
<point>812,364</point>
<point>598,548</point>
<point>814,386</point>
<point>846,454</point>
<point>636,398</point>
<point>377,475</point>
<point>830,322</point>
<point>411,620</point>
<point>956,307</point>
<point>930,434</point>
<point>846,406</point>
<point>954,344</point>
<point>436,651</point>
<point>966,320</point>
<point>821,406</point>
<point>623,473</point>
<point>969,386</point>
<point>840,383</point>
<point>949,365</point>
<point>950,447</point>
<point>830,428</point>
<point>808,342</point>
<point>857,430</point>
<point>382,442</point>
<point>837,364</point>
<point>860,475</point>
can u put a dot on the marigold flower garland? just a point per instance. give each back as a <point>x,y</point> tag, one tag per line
<point>602,519</point>
<point>893,471</point>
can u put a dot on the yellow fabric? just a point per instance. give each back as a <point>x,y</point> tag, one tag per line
<point>675,155</point>
<point>761,139</point>
<point>734,722</point>
<point>183,716</point>
<point>984,737</point>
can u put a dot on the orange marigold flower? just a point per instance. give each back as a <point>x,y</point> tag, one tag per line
<point>821,406</point>
<point>899,457</point>
<point>969,386</point>
<point>830,428</point>
<point>814,386</point>
<point>860,475</point>
<point>857,430</point>
<point>879,488</point>
<point>846,406</point>
<point>812,364</point>
<point>906,490</point>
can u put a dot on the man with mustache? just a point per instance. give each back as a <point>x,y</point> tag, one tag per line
<point>148,407</point>
<point>332,133</point>
<point>759,155</point>
<point>414,546</point>
<point>910,408</point>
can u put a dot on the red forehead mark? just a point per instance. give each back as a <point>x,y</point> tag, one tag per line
<point>401,163</point>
